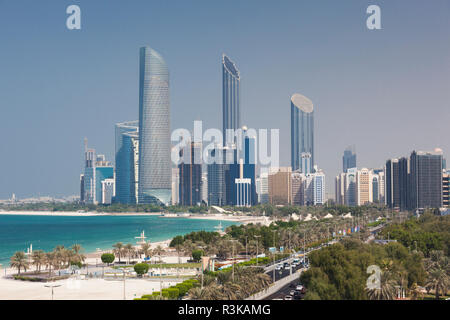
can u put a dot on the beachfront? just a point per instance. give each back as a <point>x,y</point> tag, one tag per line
<point>214,216</point>
<point>81,287</point>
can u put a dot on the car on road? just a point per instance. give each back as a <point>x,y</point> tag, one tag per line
<point>288,297</point>
<point>300,288</point>
<point>279,267</point>
<point>297,295</point>
<point>292,292</point>
<point>286,265</point>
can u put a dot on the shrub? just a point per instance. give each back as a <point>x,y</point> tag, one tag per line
<point>173,292</point>
<point>76,263</point>
<point>141,268</point>
<point>182,288</point>
<point>197,255</point>
<point>188,285</point>
<point>108,258</point>
<point>165,293</point>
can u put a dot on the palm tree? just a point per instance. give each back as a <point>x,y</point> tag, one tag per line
<point>69,256</point>
<point>387,288</point>
<point>188,247</point>
<point>197,293</point>
<point>60,256</point>
<point>438,280</point>
<point>19,260</point>
<point>438,269</point>
<point>415,292</point>
<point>50,261</point>
<point>79,256</point>
<point>38,257</point>
<point>129,249</point>
<point>231,291</point>
<point>158,250</point>
<point>145,249</point>
<point>118,249</point>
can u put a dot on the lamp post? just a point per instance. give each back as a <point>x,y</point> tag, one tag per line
<point>274,255</point>
<point>257,241</point>
<point>160,275</point>
<point>304,252</point>
<point>124,295</point>
<point>232,274</point>
<point>52,286</point>
<point>246,250</point>
<point>201,267</point>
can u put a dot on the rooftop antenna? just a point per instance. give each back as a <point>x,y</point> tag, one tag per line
<point>85,144</point>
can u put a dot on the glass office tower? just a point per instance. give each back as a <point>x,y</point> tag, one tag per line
<point>302,131</point>
<point>349,159</point>
<point>124,162</point>
<point>154,129</point>
<point>230,97</point>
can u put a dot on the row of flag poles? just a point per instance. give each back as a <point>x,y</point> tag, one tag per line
<point>346,231</point>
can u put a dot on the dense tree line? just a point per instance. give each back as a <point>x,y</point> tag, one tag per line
<point>427,233</point>
<point>339,272</point>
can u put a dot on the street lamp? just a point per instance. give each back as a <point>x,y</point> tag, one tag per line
<point>257,241</point>
<point>246,250</point>
<point>52,286</point>
<point>232,275</point>
<point>124,296</point>
<point>274,255</point>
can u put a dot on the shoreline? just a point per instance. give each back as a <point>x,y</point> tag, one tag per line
<point>215,216</point>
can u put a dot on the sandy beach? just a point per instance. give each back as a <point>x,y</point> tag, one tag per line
<point>217,216</point>
<point>73,289</point>
<point>80,289</point>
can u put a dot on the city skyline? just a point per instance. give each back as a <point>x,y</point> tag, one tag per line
<point>343,109</point>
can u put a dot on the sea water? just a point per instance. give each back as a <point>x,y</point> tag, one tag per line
<point>17,232</point>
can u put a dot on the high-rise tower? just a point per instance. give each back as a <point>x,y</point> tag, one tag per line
<point>230,96</point>
<point>302,133</point>
<point>349,159</point>
<point>154,129</point>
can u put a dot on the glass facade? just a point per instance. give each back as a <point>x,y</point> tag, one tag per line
<point>154,129</point>
<point>302,131</point>
<point>230,96</point>
<point>216,178</point>
<point>124,162</point>
<point>349,159</point>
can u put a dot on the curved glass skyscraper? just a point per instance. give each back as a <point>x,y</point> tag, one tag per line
<point>230,96</point>
<point>302,133</point>
<point>124,162</point>
<point>154,129</point>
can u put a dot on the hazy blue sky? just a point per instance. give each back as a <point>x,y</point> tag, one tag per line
<point>386,91</point>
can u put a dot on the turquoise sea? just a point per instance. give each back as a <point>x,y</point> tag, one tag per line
<point>17,232</point>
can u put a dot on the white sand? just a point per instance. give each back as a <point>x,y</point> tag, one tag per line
<point>76,214</point>
<point>219,216</point>
<point>92,289</point>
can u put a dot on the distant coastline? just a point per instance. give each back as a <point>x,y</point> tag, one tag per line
<point>217,216</point>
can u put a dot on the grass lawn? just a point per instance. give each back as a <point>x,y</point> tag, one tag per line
<point>168,265</point>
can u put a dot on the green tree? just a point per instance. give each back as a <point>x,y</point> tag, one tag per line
<point>118,249</point>
<point>197,255</point>
<point>108,258</point>
<point>38,258</point>
<point>141,268</point>
<point>19,261</point>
